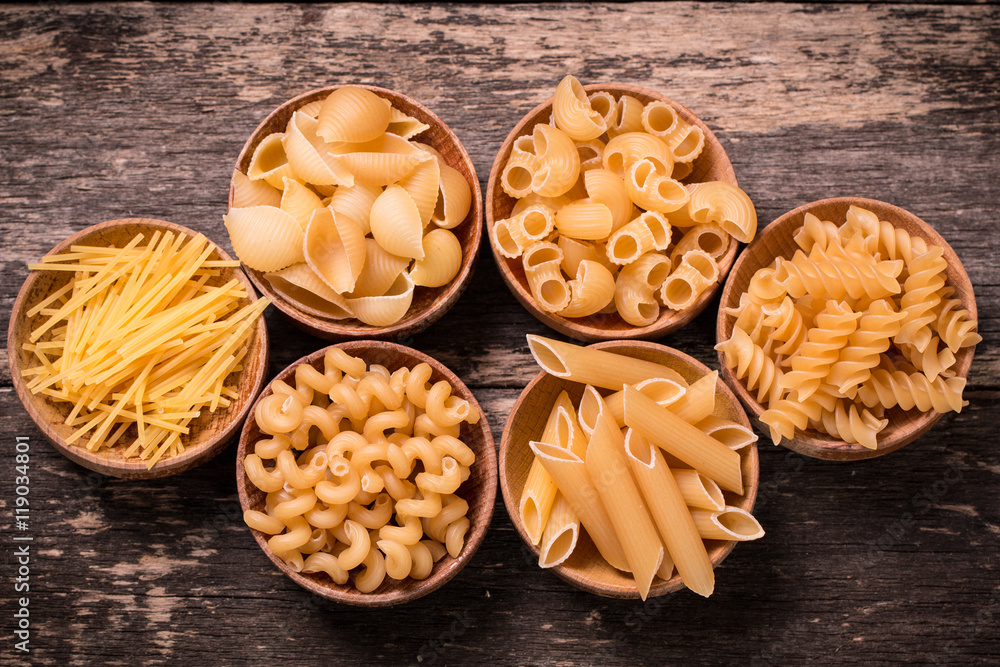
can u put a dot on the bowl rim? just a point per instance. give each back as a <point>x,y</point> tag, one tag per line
<point>808,443</point>
<point>574,327</point>
<point>448,294</point>
<point>98,461</point>
<point>573,576</point>
<point>443,571</point>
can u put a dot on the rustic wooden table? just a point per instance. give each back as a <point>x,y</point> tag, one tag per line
<point>111,111</point>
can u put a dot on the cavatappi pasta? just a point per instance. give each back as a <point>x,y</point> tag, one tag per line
<point>602,180</point>
<point>140,342</point>
<point>636,467</point>
<point>860,320</point>
<point>363,469</point>
<point>345,215</point>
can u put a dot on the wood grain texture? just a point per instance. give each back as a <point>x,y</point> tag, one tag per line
<point>585,568</point>
<point>140,109</point>
<point>777,241</point>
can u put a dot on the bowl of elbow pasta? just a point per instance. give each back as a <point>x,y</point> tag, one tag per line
<point>847,328</point>
<point>628,468</point>
<point>367,473</point>
<point>614,212</point>
<point>357,211</point>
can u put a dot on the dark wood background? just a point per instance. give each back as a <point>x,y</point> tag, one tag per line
<point>111,111</point>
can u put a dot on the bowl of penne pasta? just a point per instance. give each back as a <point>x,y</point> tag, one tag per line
<point>137,346</point>
<point>367,473</point>
<point>357,211</point>
<point>628,468</point>
<point>614,212</point>
<point>847,328</point>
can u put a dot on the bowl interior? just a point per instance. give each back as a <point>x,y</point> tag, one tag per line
<point>586,568</point>
<point>429,304</point>
<point>209,433</point>
<point>712,165</point>
<point>479,490</point>
<point>776,240</point>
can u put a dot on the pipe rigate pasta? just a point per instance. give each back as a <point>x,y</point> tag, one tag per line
<point>615,199</point>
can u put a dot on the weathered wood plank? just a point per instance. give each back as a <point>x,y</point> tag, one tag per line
<point>107,112</point>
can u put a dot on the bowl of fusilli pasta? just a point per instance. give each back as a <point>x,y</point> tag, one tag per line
<point>847,328</point>
<point>367,473</point>
<point>614,212</point>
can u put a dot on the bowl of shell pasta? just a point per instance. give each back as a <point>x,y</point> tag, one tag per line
<point>357,211</point>
<point>848,328</point>
<point>614,212</point>
<point>367,473</point>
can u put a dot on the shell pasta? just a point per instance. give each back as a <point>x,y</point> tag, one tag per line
<point>354,484</point>
<point>355,209</point>
<point>607,172</point>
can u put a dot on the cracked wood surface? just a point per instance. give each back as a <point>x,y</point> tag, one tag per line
<point>110,111</point>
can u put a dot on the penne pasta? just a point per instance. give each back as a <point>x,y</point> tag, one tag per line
<point>569,472</point>
<point>730,523</point>
<point>682,440</point>
<point>596,367</point>
<point>670,512</point>
<point>698,490</point>
<point>609,469</point>
<point>560,536</point>
<point>539,490</point>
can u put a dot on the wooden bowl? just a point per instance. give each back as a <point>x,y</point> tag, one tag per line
<point>776,241</point>
<point>712,165</point>
<point>586,568</point>
<point>480,490</point>
<point>429,304</point>
<point>209,433</point>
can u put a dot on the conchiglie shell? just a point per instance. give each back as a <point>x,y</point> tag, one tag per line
<point>270,162</point>
<point>381,161</point>
<point>405,126</point>
<point>300,286</point>
<point>325,190</point>
<point>591,290</point>
<point>395,223</point>
<point>353,114</point>
<point>311,109</point>
<point>248,192</point>
<point>381,311</point>
<point>355,202</point>
<point>299,201</point>
<point>717,202</point>
<point>309,155</point>
<point>424,186</point>
<point>455,199</point>
<point>380,272</point>
<point>334,249</point>
<point>442,259</point>
<point>265,238</point>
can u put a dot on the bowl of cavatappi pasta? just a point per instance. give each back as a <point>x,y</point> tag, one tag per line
<point>137,346</point>
<point>613,212</point>
<point>847,329</point>
<point>628,468</point>
<point>367,473</point>
<point>357,211</point>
